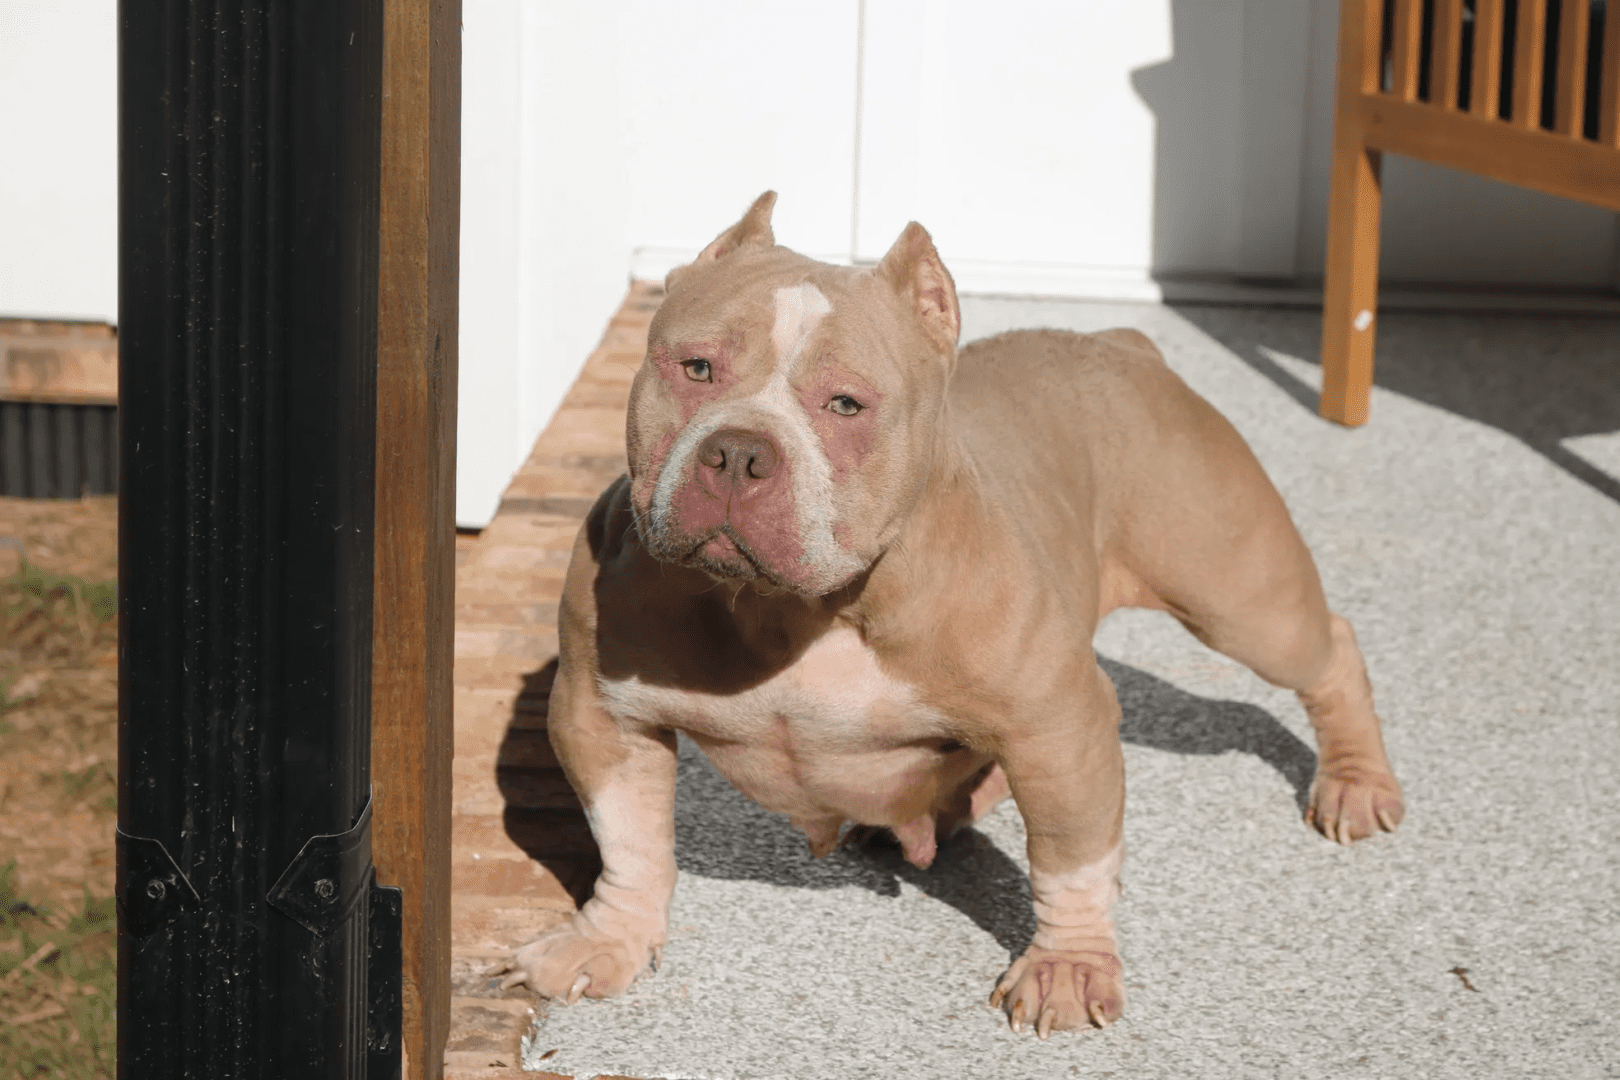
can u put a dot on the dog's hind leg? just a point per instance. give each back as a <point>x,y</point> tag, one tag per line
<point>1355,793</point>
<point>1291,639</point>
<point>1210,541</point>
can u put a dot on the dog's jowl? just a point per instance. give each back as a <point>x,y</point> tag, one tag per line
<point>862,570</point>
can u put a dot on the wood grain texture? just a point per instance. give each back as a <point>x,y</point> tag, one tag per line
<point>1447,67</point>
<point>1350,291</point>
<point>1572,168</point>
<point>415,533</point>
<point>1529,41</point>
<point>1405,49</point>
<point>1484,99</point>
<point>1609,85</point>
<point>1569,112</point>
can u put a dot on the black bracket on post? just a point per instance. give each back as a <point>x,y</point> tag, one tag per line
<point>154,892</point>
<point>329,875</point>
<point>384,983</point>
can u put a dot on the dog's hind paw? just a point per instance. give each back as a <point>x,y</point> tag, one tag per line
<point>1053,990</point>
<point>1349,803</point>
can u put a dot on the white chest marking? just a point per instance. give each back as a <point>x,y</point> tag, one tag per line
<point>834,698</point>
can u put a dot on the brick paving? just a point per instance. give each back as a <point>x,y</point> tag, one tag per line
<point>521,853</point>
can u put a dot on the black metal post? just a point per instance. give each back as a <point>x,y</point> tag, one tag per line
<point>248,241</point>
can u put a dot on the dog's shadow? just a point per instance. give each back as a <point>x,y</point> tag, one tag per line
<point>721,834</point>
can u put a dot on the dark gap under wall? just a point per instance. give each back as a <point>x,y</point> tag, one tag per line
<point>58,451</point>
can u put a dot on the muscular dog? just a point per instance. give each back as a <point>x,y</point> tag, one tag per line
<point>863,570</point>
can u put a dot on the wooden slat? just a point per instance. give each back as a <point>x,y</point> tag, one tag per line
<point>1572,168</point>
<point>1350,291</point>
<point>413,646</point>
<point>1445,70</point>
<point>1484,97</point>
<point>1406,49</point>
<point>1365,71</point>
<point>1529,41</point>
<point>1572,29</point>
<point>1609,103</point>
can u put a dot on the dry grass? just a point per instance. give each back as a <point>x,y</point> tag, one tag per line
<point>58,788</point>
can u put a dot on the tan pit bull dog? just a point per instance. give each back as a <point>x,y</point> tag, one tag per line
<point>862,572</point>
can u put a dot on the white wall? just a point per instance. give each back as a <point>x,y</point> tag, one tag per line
<point>1085,148</point>
<point>1012,132</point>
<point>723,99</point>
<point>544,194</point>
<point>59,159</point>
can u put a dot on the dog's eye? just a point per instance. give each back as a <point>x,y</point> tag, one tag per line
<point>698,370</point>
<point>844,405</point>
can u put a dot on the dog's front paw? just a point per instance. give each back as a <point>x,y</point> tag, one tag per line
<point>577,958</point>
<point>1061,991</point>
<point>1350,802</point>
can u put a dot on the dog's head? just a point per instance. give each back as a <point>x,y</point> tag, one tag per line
<point>784,421</point>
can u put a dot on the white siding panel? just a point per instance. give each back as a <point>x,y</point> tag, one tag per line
<point>727,98</point>
<point>544,260</point>
<point>1013,132</point>
<point>488,433</point>
<point>59,179</point>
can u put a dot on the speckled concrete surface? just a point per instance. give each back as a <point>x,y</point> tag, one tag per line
<point>1471,534</point>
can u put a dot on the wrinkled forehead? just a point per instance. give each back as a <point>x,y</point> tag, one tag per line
<point>778,311</point>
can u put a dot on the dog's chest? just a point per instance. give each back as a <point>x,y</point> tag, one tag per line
<point>833,699</point>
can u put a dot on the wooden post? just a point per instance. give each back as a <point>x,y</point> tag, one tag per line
<point>1350,291</point>
<point>415,538</point>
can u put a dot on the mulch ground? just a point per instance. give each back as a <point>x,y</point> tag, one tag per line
<point>58,786</point>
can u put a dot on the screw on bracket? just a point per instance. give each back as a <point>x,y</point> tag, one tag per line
<point>327,879</point>
<point>152,890</point>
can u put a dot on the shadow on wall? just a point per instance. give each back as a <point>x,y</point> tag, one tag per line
<point>1540,379</point>
<point>1197,109</point>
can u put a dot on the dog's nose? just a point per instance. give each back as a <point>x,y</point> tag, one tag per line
<point>739,455</point>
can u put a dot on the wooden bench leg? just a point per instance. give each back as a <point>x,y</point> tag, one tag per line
<point>1350,293</point>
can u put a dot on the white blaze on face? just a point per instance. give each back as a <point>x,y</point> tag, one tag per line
<point>776,411</point>
<point>1076,907</point>
<point>799,310</point>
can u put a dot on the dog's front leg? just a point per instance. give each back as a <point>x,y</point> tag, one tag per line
<point>1068,779</point>
<point>625,776</point>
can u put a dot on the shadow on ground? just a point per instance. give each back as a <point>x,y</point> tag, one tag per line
<point>542,815</point>
<point>721,834</point>
<point>1541,379</point>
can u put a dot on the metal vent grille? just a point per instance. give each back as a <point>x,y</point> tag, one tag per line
<point>58,451</point>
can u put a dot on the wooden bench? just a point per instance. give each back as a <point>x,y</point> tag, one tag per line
<point>1534,101</point>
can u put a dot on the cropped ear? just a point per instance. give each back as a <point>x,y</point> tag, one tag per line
<point>914,270</point>
<point>754,230</point>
